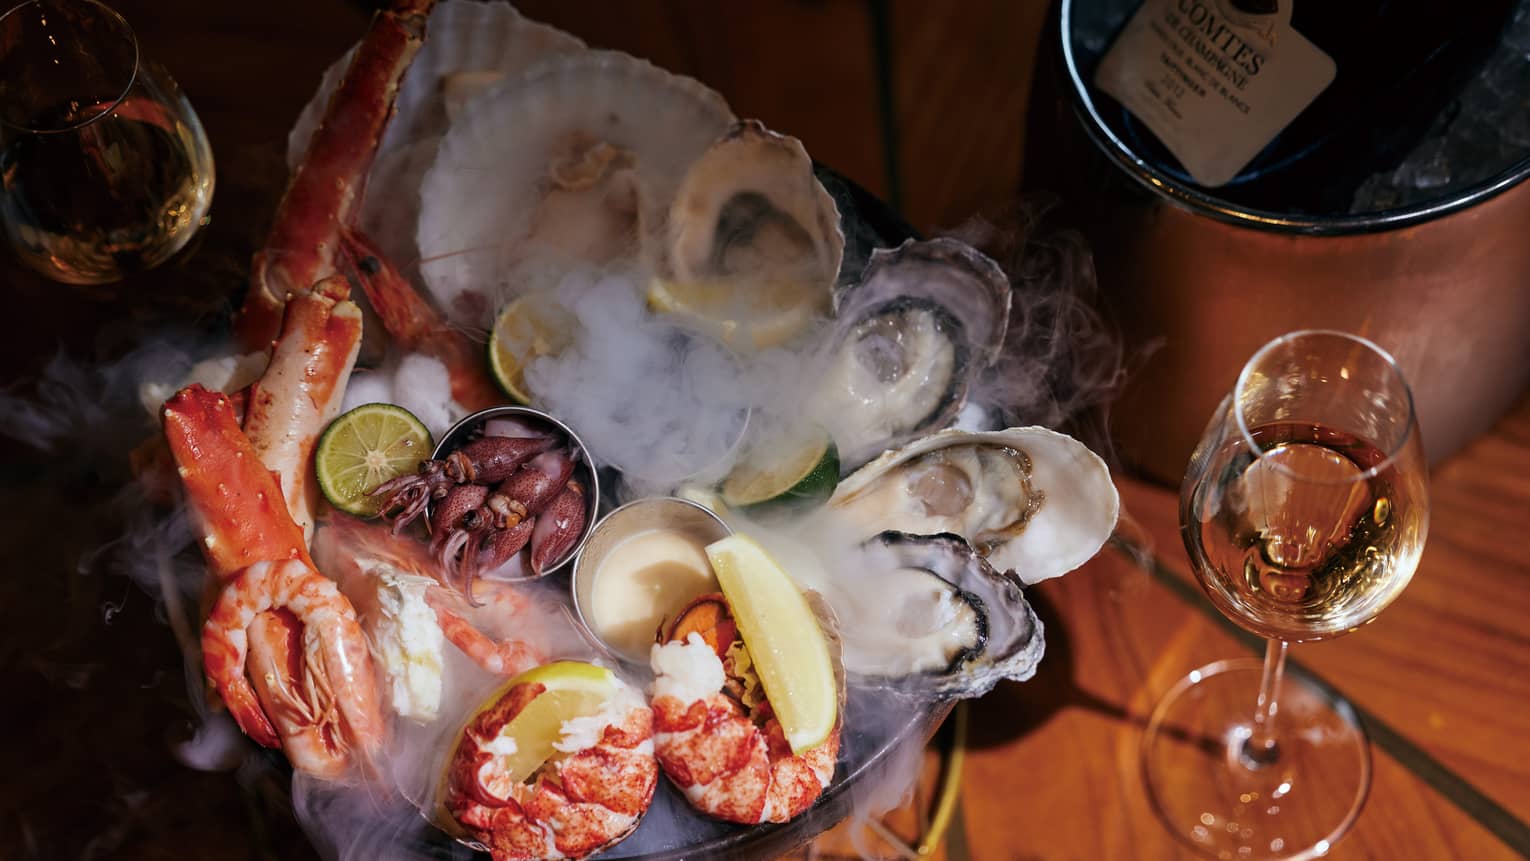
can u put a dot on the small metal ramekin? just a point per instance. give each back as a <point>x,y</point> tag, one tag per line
<point>467,430</point>
<point>654,512</point>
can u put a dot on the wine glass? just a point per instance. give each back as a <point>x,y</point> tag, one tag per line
<point>104,167</point>
<point>1304,511</point>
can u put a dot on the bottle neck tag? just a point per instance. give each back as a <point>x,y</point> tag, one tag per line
<point>1215,83</point>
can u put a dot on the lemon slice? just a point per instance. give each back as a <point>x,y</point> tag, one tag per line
<point>530,326</point>
<point>364,448</point>
<point>743,315</point>
<point>790,469</point>
<point>573,690</point>
<point>791,655</point>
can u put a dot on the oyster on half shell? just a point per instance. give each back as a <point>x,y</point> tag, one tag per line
<point>1029,500</point>
<point>754,242</point>
<point>936,617</point>
<point>909,340</point>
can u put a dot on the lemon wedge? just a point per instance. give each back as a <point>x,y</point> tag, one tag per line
<point>572,690</point>
<point>790,653</point>
<point>743,315</point>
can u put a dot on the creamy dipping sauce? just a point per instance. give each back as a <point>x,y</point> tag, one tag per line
<point>645,579</point>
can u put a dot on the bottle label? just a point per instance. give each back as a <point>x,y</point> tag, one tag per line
<point>1215,82</point>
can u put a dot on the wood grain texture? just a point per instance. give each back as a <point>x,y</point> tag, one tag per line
<point>961,81</point>
<point>1054,773</point>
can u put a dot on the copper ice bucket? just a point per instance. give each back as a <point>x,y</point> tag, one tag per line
<point>1197,284</point>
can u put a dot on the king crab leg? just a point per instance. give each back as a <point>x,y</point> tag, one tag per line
<point>325,192</point>
<point>303,388</point>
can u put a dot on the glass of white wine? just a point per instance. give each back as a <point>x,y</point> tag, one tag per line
<point>104,167</point>
<point>1304,511</point>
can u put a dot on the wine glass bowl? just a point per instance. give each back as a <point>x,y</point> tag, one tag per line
<point>1304,510</point>
<point>104,167</point>
<point>1305,504</point>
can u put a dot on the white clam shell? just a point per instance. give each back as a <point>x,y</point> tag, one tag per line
<point>1071,526</point>
<point>463,38</point>
<point>480,198</point>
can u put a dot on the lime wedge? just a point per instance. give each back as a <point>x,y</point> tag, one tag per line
<point>530,326</point>
<point>790,653</point>
<point>744,315</point>
<point>364,448</point>
<point>789,469</point>
<point>573,690</point>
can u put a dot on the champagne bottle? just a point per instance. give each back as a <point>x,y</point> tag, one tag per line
<point>1397,65</point>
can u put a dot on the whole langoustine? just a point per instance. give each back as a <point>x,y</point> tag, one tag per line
<point>718,740</point>
<point>574,805</point>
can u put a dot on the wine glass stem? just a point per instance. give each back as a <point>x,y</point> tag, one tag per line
<point>1260,748</point>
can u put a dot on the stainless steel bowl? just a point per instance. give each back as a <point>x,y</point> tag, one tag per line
<point>471,428</point>
<point>654,512</point>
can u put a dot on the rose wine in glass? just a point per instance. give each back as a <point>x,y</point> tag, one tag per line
<point>104,167</point>
<point>1304,511</point>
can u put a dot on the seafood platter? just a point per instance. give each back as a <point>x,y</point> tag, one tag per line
<point>595,474</point>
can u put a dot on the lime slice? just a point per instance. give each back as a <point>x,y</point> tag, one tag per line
<point>790,653</point>
<point>789,469</point>
<point>364,448</point>
<point>532,325</point>
<point>573,690</point>
<point>744,315</point>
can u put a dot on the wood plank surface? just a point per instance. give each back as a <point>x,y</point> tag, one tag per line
<point>961,83</point>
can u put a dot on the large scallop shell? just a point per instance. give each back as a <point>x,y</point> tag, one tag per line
<point>557,166</point>
<point>909,340</point>
<point>1030,500</point>
<point>466,42</point>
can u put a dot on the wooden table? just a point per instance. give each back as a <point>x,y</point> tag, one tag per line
<point>925,107</point>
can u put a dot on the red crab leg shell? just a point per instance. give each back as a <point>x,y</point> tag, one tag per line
<point>323,195</point>
<point>234,500</point>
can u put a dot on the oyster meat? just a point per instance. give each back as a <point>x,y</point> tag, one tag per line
<point>930,614</point>
<point>909,340</point>
<point>1029,500</point>
<point>750,208</point>
<point>754,242</point>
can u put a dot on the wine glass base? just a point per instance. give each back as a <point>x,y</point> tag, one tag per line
<point>1217,799</point>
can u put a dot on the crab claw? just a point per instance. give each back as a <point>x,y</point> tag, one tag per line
<point>558,527</point>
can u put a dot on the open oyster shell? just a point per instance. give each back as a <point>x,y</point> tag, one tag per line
<point>909,340</point>
<point>1030,500</point>
<point>751,210</point>
<point>939,618</point>
<point>575,161</point>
